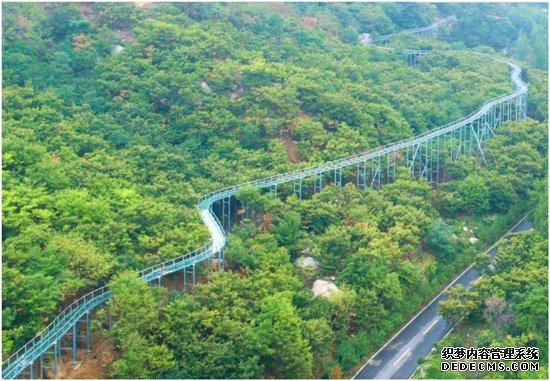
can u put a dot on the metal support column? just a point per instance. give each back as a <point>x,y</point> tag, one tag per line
<point>220,260</point>
<point>273,190</point>
<point>318,183</point>
<point>55,359</point>
<point>88,339</point>
<point>470,141</point>
<point>379,172</point>
<point>452,146</point>
<point>110,317</point>
<point>437,163</point>
<point>372,173</point>
<point>479,144</point>
<point>500,116</point>
<point>427,158</point>
<point>431,159</point>
<point>75,342</point>
<point>297,185</point>
<point>244,210</point>
<point>414,153</point>
<point>388,168</point>
<point>362,175</point>
<point>226,213</point>
<point>185,279</point>
<point>41,361</point>
<point>29,372</point>
<point>375,173</point>
<point>445,143</point>
<point>489,127</point>
<point>394,164</point>
<point>412,159</point>
<point>479,131</point>
<point>460,142</point>
<point>338,177</point>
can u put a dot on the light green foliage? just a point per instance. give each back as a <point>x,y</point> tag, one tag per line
<point>283,349</point>
<point>539,197</point>
<point>319,335</point>
<point>474,195</point>
<point>512,29</point>
<point>141,360</point>
<point>334,247</point>
<point>539,43</point>
<point>509,307</point>
<point>537,106</point>
<point>440,241</point>
<point>519,249</point>
<point>501,193</point>
<point>208,342</point>
<point>133,305</point>
<point>516,161</point>
<point>460,302</point>
<point>117,15</point>
<point>522,156</point>
<point>289,232</point>
<point>521,47</point>
<point>84,260</point>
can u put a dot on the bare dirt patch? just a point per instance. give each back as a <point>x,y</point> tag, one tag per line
<point>125,36</point>
<point>90,365</point>
<point>290,145</point>
<point>86,10</point>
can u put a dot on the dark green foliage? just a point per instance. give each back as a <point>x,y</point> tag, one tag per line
<point>514,29</point>
<point>539,198</point>
<point>440,240</point>
<point>283,349</point>
<point>117,15</point>
<point>507,307</point>
<point>289,232</point>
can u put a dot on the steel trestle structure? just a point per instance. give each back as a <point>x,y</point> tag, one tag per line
<point>426,31</point>
<point>422,156</point>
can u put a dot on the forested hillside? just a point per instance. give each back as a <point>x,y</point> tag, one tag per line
<point>509,306</point>
<point>117,117</point>
<point>387,250</point>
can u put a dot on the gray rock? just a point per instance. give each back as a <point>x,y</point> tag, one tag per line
<point>117,49</point>
<point>307,263</point>
<point>324,288</point>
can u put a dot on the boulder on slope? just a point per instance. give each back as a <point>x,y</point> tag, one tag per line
<point>324,288</point>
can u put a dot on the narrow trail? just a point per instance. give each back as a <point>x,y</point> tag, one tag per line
<point>290,146</point>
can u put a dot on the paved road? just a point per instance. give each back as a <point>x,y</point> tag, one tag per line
<point>398,358</point>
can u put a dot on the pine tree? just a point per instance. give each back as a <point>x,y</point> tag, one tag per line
<point>521,49</point>
<point>335,373</point>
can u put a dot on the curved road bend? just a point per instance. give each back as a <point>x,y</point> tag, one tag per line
<point>398,358</point>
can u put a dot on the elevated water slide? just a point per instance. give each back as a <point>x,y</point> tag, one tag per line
<point>425,31</point>
<point>421,155</point>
